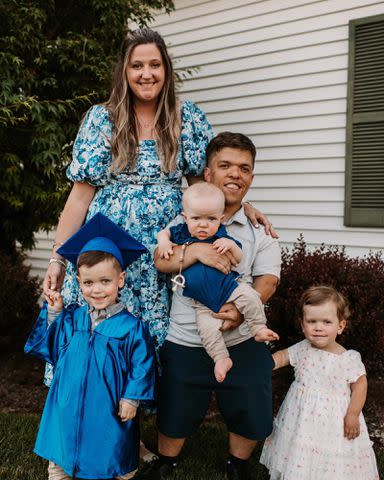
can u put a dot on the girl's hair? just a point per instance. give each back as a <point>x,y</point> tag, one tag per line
<point>124,141</point>
<point>320,294</point>
<point>89,259</point>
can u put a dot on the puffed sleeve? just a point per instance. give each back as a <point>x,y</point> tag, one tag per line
<point>196,132</point>
<point>91,156</point>
<point>140,355</point>
<point>353,366</point>
<point>46,343</point>
<point>296,352</point>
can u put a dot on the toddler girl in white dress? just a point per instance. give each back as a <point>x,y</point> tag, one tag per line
<point>320,432</point>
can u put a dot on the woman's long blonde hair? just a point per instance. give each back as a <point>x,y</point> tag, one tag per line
<point>124,141</point>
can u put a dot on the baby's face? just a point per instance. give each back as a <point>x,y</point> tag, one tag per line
<point>203,217</point>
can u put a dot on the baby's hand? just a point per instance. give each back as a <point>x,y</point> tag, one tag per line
<point>266,335</point>
<point>165,249</point>
<point>55,300</point>
<point>127,411</point>
<point>351,426</point>
<point>222,245</point>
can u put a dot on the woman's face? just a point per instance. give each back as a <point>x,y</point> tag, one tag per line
<point>146,73</point>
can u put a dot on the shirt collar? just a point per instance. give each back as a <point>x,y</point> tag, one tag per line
<point>98,315</point>
<point>238,217</point>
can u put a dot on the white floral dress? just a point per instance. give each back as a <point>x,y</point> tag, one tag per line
<point>142,202</point>
<point>307,442</point>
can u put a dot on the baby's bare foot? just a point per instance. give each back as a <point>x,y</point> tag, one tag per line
<point>222,367</point>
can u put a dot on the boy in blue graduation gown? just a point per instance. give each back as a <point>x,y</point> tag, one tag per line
<point>104,363</point>
<point>203,210</point>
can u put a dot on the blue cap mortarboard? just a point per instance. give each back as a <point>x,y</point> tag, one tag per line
<point>102,235</point>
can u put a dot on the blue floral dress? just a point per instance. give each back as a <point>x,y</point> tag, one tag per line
<point>142,202</point>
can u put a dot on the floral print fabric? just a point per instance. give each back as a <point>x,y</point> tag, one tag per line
<point>307,442</point>
<point>142,202</point>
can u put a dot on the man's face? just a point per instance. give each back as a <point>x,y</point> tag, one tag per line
<point>231,170</point>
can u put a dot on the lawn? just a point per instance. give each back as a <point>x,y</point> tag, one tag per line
<point>203,457</point>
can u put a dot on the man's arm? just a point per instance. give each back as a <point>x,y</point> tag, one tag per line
<point>196,252</point>
<point>265,285</point>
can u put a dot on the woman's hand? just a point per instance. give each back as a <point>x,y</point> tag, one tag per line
<point>257,217</point>
<point>53,279</point>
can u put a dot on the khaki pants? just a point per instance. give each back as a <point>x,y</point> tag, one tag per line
<point>57,473</point>
<point>247,301</point>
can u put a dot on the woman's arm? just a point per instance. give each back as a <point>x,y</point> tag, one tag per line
<point>358,397</point>
<point>71,219</point>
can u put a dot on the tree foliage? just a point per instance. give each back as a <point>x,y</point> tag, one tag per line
<point>56,59</point>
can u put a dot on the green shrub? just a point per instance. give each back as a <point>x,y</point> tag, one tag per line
<point>361,280</point>
<point>19,294</point>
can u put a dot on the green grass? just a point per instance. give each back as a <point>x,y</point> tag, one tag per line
<point>203,457</point>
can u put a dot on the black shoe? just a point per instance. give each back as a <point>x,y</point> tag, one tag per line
<point>235,472</point>
<point>155,470</point>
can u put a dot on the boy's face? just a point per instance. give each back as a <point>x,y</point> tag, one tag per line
<point>100,284</point>
<point>203,217</point>
<point>231,169</point>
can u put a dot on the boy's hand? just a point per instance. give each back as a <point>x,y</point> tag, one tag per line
<point>165,249</point>
<point>351,426</point>
<point>223,245</point>
<point>126,411</point>
<point>55,300</point>
<point>266,335</point>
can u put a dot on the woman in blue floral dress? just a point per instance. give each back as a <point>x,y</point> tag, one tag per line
<point>128,161</point>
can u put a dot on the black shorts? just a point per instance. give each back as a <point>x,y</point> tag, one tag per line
<point>244,398</point>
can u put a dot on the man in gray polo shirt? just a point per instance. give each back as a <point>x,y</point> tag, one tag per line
<point>244,397</point>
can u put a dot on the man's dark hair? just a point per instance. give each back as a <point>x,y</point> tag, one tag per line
<point>230,140</point>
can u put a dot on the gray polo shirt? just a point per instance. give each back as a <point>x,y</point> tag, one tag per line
<point>261,256</point>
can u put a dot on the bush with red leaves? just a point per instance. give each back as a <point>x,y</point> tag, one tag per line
<point>361,280</point>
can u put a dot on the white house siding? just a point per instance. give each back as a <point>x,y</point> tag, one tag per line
<point>275,70</point>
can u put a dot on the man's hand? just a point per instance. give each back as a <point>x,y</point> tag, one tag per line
<point>126,411</point>
<point>231,317</point>
<point>207,255</point>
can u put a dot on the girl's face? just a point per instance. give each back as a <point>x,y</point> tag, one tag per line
<point>146,73</point>
<point>321,325</point>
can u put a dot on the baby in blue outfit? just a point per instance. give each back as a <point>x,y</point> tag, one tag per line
<point>203,211</point>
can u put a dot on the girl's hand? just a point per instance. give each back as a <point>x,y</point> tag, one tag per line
<point>55,301</point>
<point>351,426</point>
<point>127,411</point>
<point>257,217</point>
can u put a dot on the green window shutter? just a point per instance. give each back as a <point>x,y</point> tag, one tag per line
<point>364,172</point>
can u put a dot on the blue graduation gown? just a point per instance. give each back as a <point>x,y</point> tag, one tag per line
<point>80,429</point>
<point>205,284</point>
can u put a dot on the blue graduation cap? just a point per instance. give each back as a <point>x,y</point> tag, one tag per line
<point>102,235</point>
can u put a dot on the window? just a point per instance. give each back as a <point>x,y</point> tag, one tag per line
<point>364,172</point>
